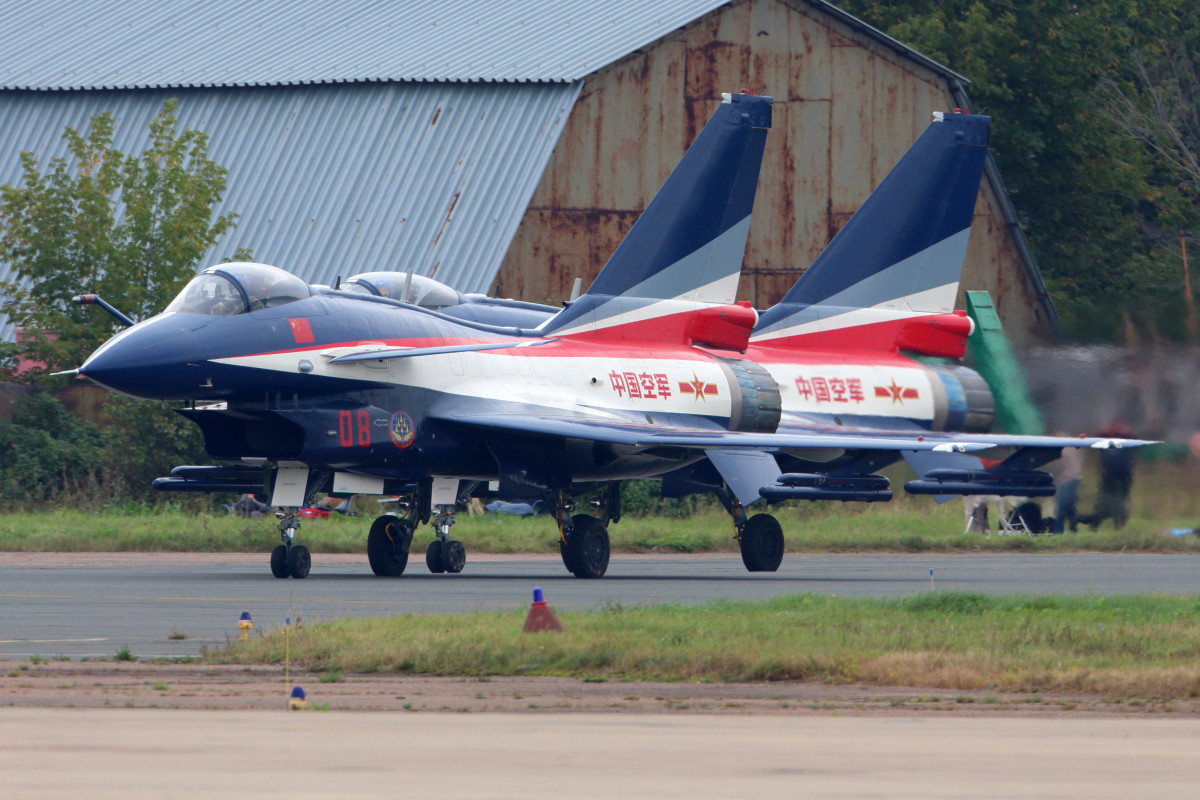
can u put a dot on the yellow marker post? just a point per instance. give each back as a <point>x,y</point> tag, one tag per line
<point>287,649</point>
<point>245,624</point>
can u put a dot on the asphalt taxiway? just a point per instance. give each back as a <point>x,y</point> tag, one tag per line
<point>176,605</point>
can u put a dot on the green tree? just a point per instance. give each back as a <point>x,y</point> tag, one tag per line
<point>1152,95</point>
<point>130,228</point>
<point>1082,187</point>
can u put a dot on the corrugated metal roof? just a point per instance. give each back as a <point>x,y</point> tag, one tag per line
<point>101,44</point>
<point>336,180</point>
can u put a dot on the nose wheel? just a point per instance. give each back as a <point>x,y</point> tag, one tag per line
<point>448,556</point>
<point>445,554</point>
<point>290,560</point>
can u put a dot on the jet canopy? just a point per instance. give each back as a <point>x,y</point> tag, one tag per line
<point>238,288</point>
<point>422,291</point>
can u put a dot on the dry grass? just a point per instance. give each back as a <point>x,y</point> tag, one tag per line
<point>1133,646</point>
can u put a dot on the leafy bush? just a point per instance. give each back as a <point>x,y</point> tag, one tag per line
<point>146,441</point>
<point>48,455</point>
<point>47,452</point>
<point>644,499</point>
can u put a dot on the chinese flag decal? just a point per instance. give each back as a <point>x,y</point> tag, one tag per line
<point>301,331</point>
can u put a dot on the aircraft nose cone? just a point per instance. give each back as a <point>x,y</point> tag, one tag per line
<point>138,362</point>
<point>110,366</point>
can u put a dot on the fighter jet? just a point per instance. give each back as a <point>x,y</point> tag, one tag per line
<point>653,372</point>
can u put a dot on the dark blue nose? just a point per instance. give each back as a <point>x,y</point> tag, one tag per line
<point>148,360</point>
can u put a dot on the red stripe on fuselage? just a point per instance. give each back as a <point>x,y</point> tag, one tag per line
<point>554,348</point>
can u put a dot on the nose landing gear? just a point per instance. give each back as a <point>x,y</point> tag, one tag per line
<point>289,560</point>
<point>445,554</point>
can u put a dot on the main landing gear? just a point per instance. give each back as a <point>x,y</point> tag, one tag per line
<point>583,539</point>
<point>387,545</point>
<point>289,560</point>
<point>391,536</point>
<point>760,537</point>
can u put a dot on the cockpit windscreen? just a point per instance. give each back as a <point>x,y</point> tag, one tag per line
<point>239,288</point>
<point>422,291</point>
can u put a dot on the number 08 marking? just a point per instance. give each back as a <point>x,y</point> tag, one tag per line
<point>346,428</point>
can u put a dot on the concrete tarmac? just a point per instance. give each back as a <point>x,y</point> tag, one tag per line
<point>175,605</point>
<point>138,753</point>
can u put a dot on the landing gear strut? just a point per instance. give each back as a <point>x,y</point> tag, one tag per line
<point>583,539</point>
<point>289,559</point>
<point>760,537</point>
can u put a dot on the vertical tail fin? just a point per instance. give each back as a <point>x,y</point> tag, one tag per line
<point>689,243</point>
<point>902,252</point>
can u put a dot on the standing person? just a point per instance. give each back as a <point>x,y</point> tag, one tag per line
<point>1116,479</point>
<point>1067,472</point>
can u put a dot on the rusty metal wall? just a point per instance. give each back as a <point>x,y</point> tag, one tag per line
<point>846,109</point>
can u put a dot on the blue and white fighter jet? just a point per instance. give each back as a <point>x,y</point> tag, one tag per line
<point>655,371</point>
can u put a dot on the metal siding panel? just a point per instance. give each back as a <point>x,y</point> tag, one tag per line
<point>717,51</point>
<point>852,129</point>
<point>808,141</point>
<point>338,180</point>
<point>811,70</point>
<point>666,133</point>
<point>620,132</point>
<point>893,120</point>
<point>768,246</point>
<point>770,48</point>
<point>577,168</point>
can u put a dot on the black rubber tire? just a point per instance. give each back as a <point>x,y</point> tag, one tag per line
<point>299,562</point>
<point>279,566</point>
<point>433,557</point>
<point>568,555</point>
<point>762,543</point>
<point>383,546</point>
<point>588,548</point>
<point>454,556</point>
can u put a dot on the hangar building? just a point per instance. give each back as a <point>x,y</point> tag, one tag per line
<point>486,143</point>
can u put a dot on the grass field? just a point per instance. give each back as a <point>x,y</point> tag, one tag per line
<point>1120,647</point>
<point>1165,497</point>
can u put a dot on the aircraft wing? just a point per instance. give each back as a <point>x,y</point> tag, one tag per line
<point>746,461</point>
<point>995,440</point>
<point>620,431</point>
